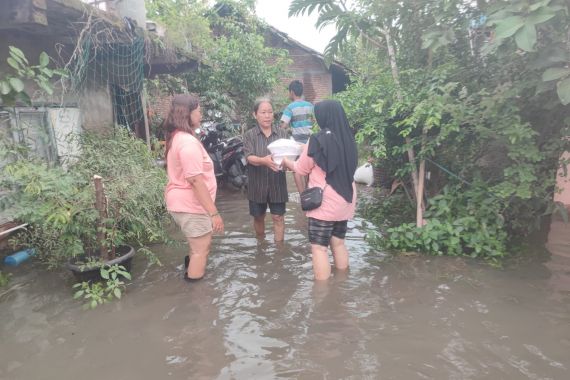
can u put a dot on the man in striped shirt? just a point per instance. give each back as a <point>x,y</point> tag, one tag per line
<point>299,116</point>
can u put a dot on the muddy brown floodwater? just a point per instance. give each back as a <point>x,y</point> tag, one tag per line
<point>258,314</point>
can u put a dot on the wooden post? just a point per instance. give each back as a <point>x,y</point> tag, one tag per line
<point>101,206</point>
<point>146,126</point>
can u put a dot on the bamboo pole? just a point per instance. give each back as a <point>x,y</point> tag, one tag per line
<point>145,118</point>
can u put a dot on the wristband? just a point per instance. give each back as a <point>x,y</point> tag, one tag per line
<point>214,214</point>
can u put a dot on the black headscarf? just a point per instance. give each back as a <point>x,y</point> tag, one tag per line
<point>334,148</point>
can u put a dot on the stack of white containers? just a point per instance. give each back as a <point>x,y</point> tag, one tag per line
<point>284,148</point>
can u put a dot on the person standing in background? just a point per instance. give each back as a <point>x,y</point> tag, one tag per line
<point>299,116</point>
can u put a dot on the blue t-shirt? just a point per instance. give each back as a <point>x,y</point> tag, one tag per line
<point>299,115</point>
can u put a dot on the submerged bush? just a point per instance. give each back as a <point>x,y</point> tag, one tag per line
<point>459,222</point>
<point>58,204</point>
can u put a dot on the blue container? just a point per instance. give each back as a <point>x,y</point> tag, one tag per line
<point>17,258</point>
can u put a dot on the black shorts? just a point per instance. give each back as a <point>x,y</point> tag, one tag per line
<point>321,231</point>
<point>259,209</point>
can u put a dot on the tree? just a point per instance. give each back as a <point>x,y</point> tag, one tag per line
<point>450,84</point>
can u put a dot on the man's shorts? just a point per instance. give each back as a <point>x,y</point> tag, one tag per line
<point>321,231</point>
<point>303,139</point>
<point>259,209</point>
<point>193,225</point>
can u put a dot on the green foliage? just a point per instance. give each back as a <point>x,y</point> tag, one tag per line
<point>12,87</point>
<point>98,293</point>
<point>240,69</point>
<point>525,21</point>
<point>4,279</point>
<point>59,204</point>
<point>187,28</point>
<point>460,222</point>
<point>478,90</point>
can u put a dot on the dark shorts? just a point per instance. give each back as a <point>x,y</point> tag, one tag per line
<point>321,231</point>
<point>258,209</point>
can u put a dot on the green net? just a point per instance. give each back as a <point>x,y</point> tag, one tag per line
<point>120,66</point>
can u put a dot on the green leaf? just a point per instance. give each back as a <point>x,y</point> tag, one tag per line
<point>78,294</point>
<point>541,16</point>
<point>526,37</point>
<point>555,73</point>
<point>17,84</point>
<point>563,90</point>
<point>117,292</point>
<point>509,26</point>
<point>12,62</point>
<point>17,54</point>
<point>4,88</point>
<point>538,5</point>
<point>104,273</point>
<point>44,59</point>
<point>46,86</point>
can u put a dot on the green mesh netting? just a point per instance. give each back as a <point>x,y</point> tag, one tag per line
<point>119,65</point>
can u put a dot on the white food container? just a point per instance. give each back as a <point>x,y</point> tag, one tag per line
<point>284,148</point>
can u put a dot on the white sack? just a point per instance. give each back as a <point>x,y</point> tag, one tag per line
<point>364,174</point>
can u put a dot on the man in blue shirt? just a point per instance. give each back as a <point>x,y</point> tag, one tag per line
<point>299,116</point>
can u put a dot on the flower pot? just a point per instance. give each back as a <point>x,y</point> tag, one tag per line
<point>82,273</point>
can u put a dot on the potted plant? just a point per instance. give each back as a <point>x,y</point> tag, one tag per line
<point>89,215</point>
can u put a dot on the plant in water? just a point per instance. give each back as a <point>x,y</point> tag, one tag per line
<point>98,293</point>
<point>4,279</point>
<point>460,222</point>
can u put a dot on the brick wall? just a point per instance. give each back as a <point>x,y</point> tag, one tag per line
<point>306,67</point>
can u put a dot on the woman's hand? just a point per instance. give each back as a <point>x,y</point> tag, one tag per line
<point>217,223</point>
<point>268,161</point>
<point>288,164</point>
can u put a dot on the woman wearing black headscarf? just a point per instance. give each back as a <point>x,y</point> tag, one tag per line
<point>330,160</point>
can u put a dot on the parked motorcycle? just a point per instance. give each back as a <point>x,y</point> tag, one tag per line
<point>230,164</point>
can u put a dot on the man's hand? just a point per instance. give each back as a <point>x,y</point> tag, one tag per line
<point>268,161</point>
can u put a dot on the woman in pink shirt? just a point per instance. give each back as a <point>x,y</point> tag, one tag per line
<point>330,160</point>
<point>191,190</point>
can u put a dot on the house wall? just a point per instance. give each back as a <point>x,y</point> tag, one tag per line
<point>306,67</point>
<point>95,101</point>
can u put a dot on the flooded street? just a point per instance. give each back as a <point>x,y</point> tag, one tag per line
<point>258,314</point>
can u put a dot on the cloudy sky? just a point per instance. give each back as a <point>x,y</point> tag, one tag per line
<point>302,29</point>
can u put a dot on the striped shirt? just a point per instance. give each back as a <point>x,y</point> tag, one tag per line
<point>264,185</point>
<point>299,115</point>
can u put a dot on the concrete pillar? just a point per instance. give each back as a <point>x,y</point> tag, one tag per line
<point>134,9</point>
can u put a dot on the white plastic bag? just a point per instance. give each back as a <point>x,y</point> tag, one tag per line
<point>364,174</point>
<point>284,148</point>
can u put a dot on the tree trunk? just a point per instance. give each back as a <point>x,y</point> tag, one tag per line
<point>411,154</point>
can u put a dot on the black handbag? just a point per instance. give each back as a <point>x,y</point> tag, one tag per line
<point>311,198</point>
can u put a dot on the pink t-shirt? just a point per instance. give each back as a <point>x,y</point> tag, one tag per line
<point>334,207</point>
<point>187,158</point>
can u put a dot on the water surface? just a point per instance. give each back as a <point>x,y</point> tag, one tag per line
<point>258,314</point>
